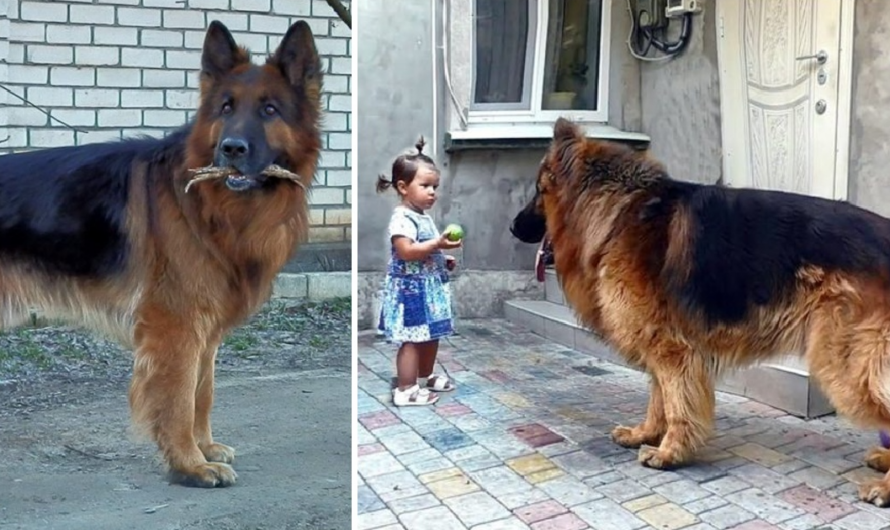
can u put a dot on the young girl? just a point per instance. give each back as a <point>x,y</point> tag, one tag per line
<point>416,310</point>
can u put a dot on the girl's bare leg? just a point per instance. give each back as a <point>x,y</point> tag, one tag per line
<point>407,365</point>
<point>427,352</point>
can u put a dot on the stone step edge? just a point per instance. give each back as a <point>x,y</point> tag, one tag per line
<point>765,383</point>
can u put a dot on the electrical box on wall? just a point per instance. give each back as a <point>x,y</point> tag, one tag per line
<point>678,8</point>
<point>650,14</point>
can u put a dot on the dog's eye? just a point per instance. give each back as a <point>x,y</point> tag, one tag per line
<point>270,110</point>
<point>226,108</point>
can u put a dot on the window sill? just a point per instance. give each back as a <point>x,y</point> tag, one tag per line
<point>527,136</point>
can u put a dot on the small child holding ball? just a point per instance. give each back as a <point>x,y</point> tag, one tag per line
<point>416,310</point>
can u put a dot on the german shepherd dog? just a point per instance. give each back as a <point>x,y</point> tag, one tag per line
<point>686,280</point>
<point>106,235</point>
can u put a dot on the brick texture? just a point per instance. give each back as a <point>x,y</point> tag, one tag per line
<point>108,69</point>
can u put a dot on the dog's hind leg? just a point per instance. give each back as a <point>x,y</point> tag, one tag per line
<point>213,451</point>
<point>688,392</point>
<point>652,429</point>
<point>875,410</point>
<point>848,352</point>
<point>163,395</point>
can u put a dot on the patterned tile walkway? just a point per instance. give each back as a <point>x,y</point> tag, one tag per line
<point>524,443</point>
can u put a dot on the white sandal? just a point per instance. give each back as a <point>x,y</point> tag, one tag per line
<point>439,383</point>
<point>413,396</point>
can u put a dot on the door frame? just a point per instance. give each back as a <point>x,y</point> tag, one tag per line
<point>844,94</point>
<point>844,99</point>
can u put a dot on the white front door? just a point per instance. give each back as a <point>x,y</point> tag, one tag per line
<point>785,85</point>
<point>785,82</point>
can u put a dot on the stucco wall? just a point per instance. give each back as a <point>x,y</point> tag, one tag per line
<point>869,180</point>
<point>396,107</point>
<point>681,104</point>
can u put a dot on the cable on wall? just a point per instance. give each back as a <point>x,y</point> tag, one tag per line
<point>640,41</point>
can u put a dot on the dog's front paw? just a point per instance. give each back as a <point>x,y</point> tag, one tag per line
<point>209,475</point>
<point>655,458</point>
<point>633,437</point>
<point>624,436</point>
<point>875,492</point>
<point>216,452</point>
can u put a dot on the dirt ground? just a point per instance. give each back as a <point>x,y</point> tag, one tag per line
<point>68,459</point>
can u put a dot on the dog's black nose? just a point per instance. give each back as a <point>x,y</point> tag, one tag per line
<point>234,148</point>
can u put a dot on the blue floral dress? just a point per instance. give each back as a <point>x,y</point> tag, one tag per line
<point>416,294</point>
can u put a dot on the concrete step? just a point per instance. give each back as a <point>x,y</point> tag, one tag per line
<point>552,288</point>
<point>558,323</point>
<point>786,389</point>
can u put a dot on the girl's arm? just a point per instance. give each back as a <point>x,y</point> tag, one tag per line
<point>410,250</point>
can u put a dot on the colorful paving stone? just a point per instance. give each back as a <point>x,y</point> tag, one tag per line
<point>376,420</point>
<point>448,439</point>
<point>540,511</point>
<point>536,435</point>
<point>525,443</point>
<point>452,409</point>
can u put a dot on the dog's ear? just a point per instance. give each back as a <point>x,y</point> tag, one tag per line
<point>221,54</point>
<point>298,60</point>
<point>567,146</point>
<point>566,131</point>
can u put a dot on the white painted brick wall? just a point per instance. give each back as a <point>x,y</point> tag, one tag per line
<point>116,68</point>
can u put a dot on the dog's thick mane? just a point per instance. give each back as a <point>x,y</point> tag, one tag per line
<point>602,163</point>
<point>619,166</point>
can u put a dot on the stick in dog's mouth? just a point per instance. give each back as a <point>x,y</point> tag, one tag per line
<point>215,172</point>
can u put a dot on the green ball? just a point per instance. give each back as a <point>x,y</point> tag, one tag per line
<point>454,232</point>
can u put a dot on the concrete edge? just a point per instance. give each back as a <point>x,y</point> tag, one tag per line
<point>795,393</point>
<point>313,286</point>
<point>781,388</point>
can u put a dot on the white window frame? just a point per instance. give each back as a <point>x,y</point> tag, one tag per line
<point>539,15</point>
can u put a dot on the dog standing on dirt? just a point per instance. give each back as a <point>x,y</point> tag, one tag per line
<point>116,236</point>
<point>687,280</point>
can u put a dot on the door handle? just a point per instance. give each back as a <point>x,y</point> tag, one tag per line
<point>821,56</point>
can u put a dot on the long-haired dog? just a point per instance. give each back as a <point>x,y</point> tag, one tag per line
<point>117,237</point>
<point>686,280</point>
